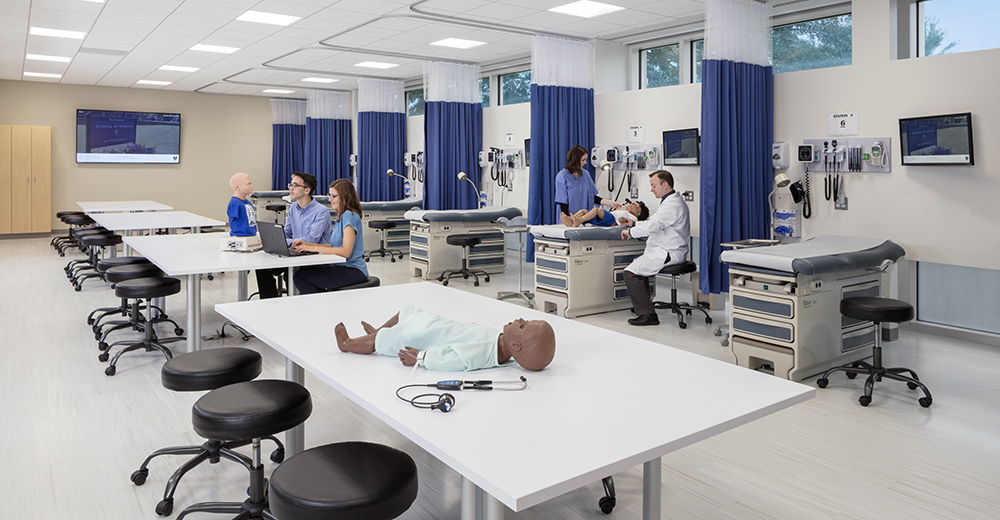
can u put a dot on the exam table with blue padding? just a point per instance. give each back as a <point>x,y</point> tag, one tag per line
<point>430,254</point>
<point>580,271</point>
<point>392,210</point>
<point>785,302</point>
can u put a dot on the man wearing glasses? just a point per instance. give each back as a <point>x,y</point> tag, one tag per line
<point>307,220</point>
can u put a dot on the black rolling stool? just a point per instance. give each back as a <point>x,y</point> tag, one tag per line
<point>144,289</point>
<point>96,245</point>
<point>62,215</point>
<point>878,310</point>
<point>277,209</point>
<point>74,222</point>
<point>382,226</point>
<point>346,480</point>
<point>103,265</point>
<point>196,372</point>
<point>249,410</point>
<point>136,321</point>
<point>680,308</point>
<point>466,241</point>
<point>78,235</point>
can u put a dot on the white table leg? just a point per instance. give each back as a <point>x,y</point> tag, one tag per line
<point>469,492</point>
<point>652,473</point>
<point>193,312</point>
<point>295,438</point>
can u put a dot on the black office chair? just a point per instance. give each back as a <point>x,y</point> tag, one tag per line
<point>466,241</point>
<point>680,308</point>
<point>382,226</point>
<point>877,310</point>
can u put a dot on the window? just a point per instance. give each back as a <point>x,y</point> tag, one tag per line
<point>697,52</point>
<point>950,26</point>
<point>415,102</point>
<point>484,91</point>
<point>662,66</point>
<point>813,44</point>
<point>515,88</point>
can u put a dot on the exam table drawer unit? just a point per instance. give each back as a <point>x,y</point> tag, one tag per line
<point>430,254</point>
<point>579,277</point>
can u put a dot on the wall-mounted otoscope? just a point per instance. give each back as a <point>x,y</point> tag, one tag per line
<point>462,176</point>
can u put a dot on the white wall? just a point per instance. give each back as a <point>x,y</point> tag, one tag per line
<point>220,135</point>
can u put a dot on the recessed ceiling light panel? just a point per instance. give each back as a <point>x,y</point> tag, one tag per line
<point>277,91</point>
<point>214,48</point>
<point>43,75</point>
<point>177,68</point>
<point>151,82</point>
<point>268,18</point>
<point>320,80</point>
<point>376,65</point>
<point>586,9</point>
<point>56,33</point>
<point>43,57</point>
<point>458,43</point>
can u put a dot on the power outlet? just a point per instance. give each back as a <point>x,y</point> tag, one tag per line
<point>841,203</point>
<point>688,196</point>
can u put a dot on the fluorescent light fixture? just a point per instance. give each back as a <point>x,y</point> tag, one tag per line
<point>151,82</point>
<point>376,65</point>
<point>277,91</point>
<point>56,33</point>
<point>214,48</point>
<point>42,57</point>
<point>320,80</point>
<point>268,18</point>
<point>586,9</point>
<point>458,43</point>
<point>43,75</point>
<point>95,1</point>
<point>177,68</point>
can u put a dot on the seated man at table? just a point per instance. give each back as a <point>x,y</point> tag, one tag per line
<point>418,337</point>
<point>307,220</point>
<point>242,219</point>
<point>598,216</point>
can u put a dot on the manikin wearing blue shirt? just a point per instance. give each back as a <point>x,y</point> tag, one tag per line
<point>345,240</point>
<point>242,219</point>
<point>575,188</point>
<point>307,220</point>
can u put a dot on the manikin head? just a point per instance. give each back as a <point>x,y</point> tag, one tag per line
<point>639,209</point>
<point>661,182</point>
<point>242,185</point>
<point>531,343</point>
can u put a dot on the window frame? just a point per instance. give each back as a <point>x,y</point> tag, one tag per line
<point>406,100</point>
<point>500,75</point>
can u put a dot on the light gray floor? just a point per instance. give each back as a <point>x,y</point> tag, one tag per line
<point>71,436</point>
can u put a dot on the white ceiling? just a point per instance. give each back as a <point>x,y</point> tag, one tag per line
<point>129,40</point>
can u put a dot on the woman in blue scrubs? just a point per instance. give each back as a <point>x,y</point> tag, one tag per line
<point>575,188</point>
<point>345,240</point>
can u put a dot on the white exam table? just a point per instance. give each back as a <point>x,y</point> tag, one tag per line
<point>393,210</point>
<point>430,254</point>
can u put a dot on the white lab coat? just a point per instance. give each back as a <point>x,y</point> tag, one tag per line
<point>668,231</point>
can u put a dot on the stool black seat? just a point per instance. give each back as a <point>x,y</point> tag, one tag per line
<point>145,289</point>
<point>465,241</point>
<point>680,308</point>
<point>102,267</point>
<point>372,281</point>
<point>382,226</point>
<point>95,245</point>
<point>195,372</point>
<point>877,310</point>
<point>131,271</point>
<point>344,481</point>
<point>276,208</point>
<point>248,410</point>
<point>116,275</point>
<point>62,216</point>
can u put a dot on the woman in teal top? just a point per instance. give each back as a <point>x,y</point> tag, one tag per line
<point>345,240</point>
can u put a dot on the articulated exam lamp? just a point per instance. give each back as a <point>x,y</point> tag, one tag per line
<point>463,177</point>
<point>391,173</point>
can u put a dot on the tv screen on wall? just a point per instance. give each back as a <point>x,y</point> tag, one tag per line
<point>116,136</point>
<point>945,139</point>
<point>681,147</point>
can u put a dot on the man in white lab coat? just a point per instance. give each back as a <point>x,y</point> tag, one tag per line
<point>668,233</point>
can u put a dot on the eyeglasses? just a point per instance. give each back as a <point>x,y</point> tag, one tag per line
<point>294,185</point>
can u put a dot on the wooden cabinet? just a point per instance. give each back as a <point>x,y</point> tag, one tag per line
<point>25,179</point>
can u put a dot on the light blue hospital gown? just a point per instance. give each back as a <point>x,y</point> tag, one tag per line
<point>450,346</point>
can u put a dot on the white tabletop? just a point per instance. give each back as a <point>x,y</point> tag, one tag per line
<point>608,402</point>
<point>122,205</point>
<point>153,220</point>
<point>196,253</point>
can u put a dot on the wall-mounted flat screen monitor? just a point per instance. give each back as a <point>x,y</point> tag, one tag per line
<point>943,139</point>
<point>681,147</point>
<point>117,136</point>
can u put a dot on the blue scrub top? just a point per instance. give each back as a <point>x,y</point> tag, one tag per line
<point>576,193</point>
<point>352,219</point>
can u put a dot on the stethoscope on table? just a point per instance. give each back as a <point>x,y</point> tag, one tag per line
<point>445,401</point>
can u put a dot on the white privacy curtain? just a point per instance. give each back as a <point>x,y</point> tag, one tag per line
<point>288,112</point>
<point>451,82</point>
<point>738,30</point>
<point>562,62</point>
<point>325,104</point>
<point>381,95</point>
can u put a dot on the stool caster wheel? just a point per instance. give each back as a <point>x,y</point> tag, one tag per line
<point>865,400</point>
<point>441,278</point>
<point>90,321</point>
<point>178,331</point>
<point>725,343</point>
<point>110,371</point>
<point>822,382</point>
<point>687,311</point>
<point>475,284</point>
<point>77,288</point>
<point>102,357</point>
<point>718,331</point>
<point>278,456</point>
<point>139,476</point>
<point>445,283</point>
<point>682,325</point>
<point>607,505</point>
<point>211,277</point>
<point>925,401</point>
<point>465,276</point>
<point>97,335</point>
<point>401,256</point>
<point>708,320</point>
<point>102,346</point>
<point>165,507</point>
<point>381,254</point>
<point>487,278</point>
<point>911,386</point>
<point>852,375</point>
<point>367,259</point>
<point>392,259</point>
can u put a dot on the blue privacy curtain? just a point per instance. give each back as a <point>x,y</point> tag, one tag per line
<point>328,143</point>
<point>562,115</point>
<point>381,138</point>
<point>737,121</point>
<point>288,140</point>
<point>453,135</point>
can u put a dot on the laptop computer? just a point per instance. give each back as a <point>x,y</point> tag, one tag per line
<point>272,237</point>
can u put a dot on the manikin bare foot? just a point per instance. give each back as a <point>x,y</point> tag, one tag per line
<point>342,337</point>
<point>567,220</point>
<point>369,328</point>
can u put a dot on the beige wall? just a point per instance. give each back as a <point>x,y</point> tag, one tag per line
<point>220,135</point>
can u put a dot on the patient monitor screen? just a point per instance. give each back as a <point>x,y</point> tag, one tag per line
<point>109,136</point>
<point>943,139</point>
<point>680,146</point>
